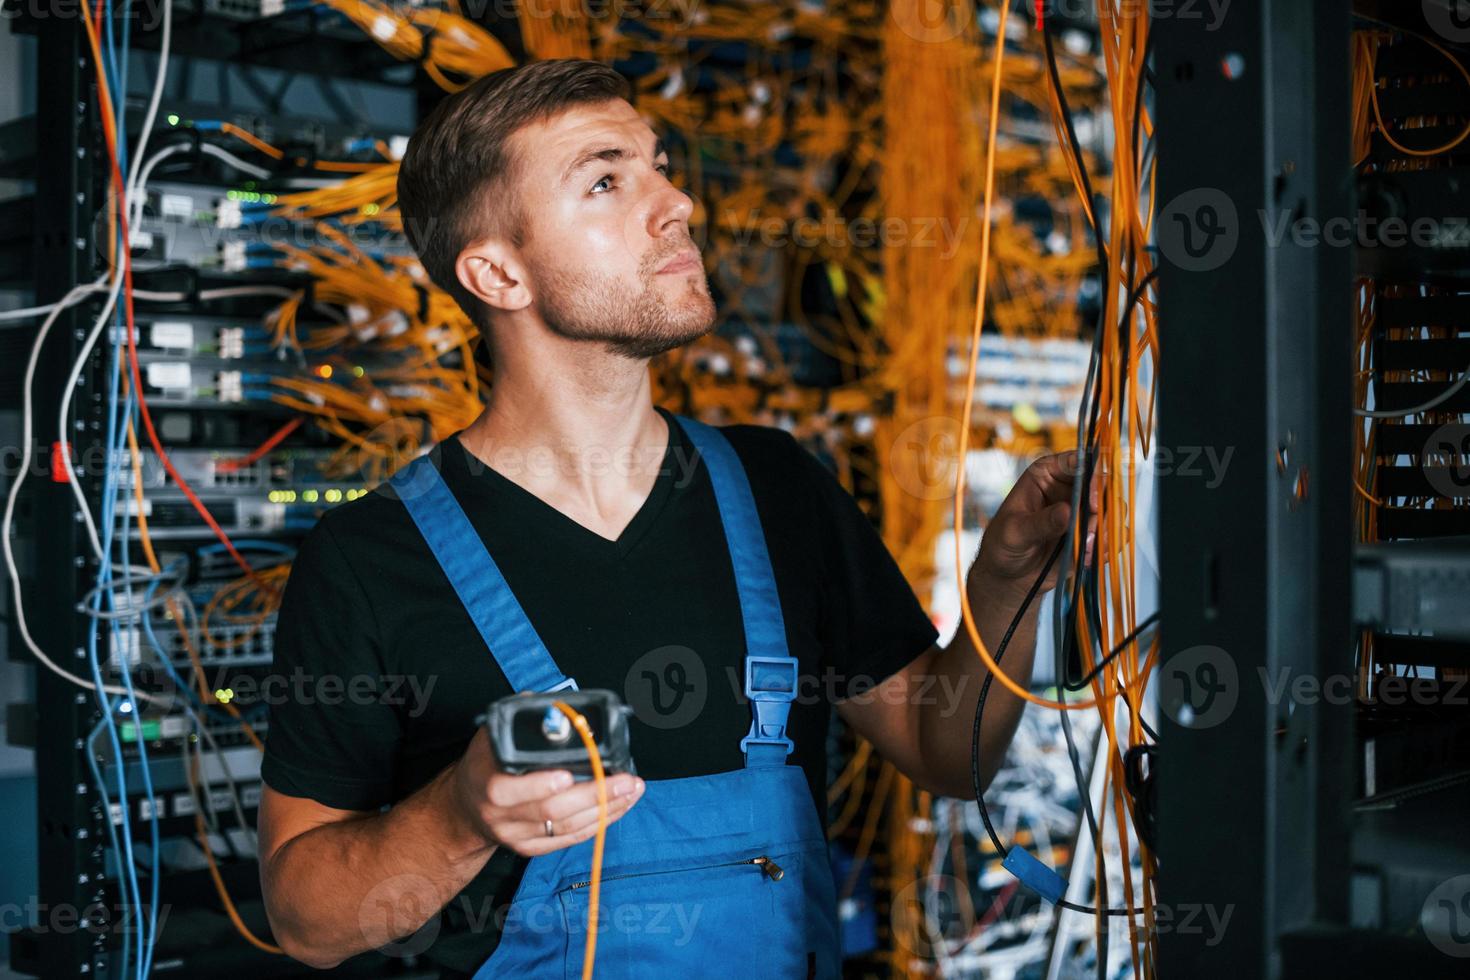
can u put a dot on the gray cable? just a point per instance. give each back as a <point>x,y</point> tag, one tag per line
<point>1436,401</point>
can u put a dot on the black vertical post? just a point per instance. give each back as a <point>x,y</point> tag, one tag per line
<point>1255,349</point>
<point>73,927</point>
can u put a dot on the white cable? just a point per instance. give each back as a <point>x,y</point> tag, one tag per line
<point>260,173</point>
<point>7,523</point>
<point>84,354</point>
<point>164,44</point>
<point>210,294</point>
<point>141,171</point>
<point>27,312</point>
<point>27,424</point>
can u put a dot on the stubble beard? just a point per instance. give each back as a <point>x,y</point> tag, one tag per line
<point>636,322</point>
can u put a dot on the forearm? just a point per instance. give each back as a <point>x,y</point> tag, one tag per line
<point>946,724</point>
<point>347,887</point>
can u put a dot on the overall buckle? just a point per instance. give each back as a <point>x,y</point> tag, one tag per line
<point>770,686</point>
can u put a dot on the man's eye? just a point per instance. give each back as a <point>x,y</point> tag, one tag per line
<point>664,169</point>
<point>604,180</point>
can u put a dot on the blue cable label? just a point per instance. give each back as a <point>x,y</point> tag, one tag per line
<point>1037,876</point>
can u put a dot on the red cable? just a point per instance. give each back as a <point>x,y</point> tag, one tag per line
<point>996,907</point>
<point>231,465</point>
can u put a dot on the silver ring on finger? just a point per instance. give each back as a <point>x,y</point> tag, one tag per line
<point>549,831</point>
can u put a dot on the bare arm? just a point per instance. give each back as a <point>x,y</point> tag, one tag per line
<point>341,882</point>
<point>922,717</point>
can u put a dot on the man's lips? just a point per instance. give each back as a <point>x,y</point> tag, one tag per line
<point>683,262</point>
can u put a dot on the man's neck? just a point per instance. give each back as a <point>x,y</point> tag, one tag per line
<point>586,440</point>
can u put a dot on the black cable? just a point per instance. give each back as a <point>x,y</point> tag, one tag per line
<point>1056,81</point>
<point>1067,648</point>
<point>1086,582</point>
<point>1063,625</point>
<point>1142,722</point>
<point>1092,599</point>
<point>1143,789</point>
<point>1083,503</point>
<point>1124,644</point>
<point>1000,650</point>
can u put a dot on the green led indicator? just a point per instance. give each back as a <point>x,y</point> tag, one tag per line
<point>152,729</point>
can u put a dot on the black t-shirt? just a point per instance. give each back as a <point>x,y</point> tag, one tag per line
<point>381,672</point>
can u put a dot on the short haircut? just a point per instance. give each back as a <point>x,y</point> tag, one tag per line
<point>457,179</point>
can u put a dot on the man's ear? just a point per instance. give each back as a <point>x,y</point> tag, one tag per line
<point>492,271</point>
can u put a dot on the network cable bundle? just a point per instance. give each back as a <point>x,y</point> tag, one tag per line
<point>230,356</point>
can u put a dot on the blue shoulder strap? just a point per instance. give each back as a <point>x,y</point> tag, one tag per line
<point>770,670</point>
<point>513,641</point>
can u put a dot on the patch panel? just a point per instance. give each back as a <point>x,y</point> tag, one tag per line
<point>171,516</point>
<point>228,645</point>
<point>203,469</point>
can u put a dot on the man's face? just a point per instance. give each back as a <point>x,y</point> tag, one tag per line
<point>607,244</point>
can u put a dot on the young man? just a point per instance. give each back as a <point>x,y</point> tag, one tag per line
<point>719,580</point>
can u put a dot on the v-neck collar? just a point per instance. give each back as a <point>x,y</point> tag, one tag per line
<point>559,522</point>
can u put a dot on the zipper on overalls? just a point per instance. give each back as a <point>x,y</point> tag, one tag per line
<point>769,868</point>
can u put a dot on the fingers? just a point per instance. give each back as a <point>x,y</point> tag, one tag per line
<point>529,837</point>
<point>1062,467</point>
<point>1040,529</point>
<point>537,846</point>
<point>508,791</point>
<point>581,819</point>
<point>578,798</point>
<point>1057,472</point>
<point>1050,479</point>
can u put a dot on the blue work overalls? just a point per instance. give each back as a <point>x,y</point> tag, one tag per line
<point>707,876</point>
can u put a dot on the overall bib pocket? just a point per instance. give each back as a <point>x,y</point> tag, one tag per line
<point>724,914</point>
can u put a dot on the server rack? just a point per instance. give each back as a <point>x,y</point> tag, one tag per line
<point>52,243</point>
<point>1262,809</point>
